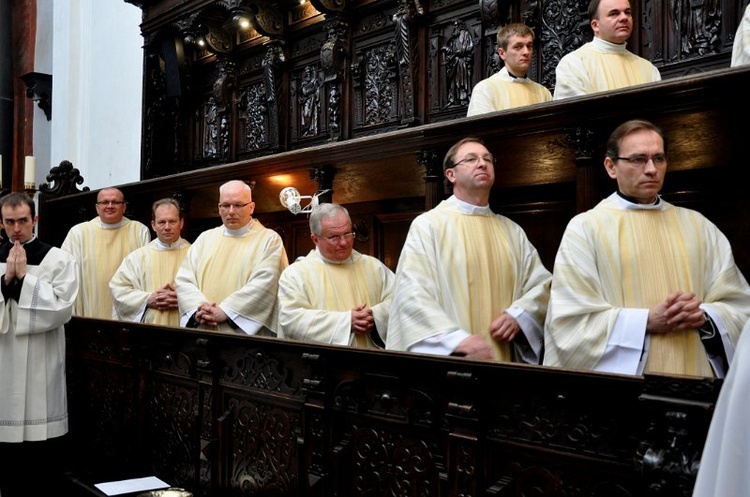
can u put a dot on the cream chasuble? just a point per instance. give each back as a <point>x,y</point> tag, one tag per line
<point>461,271</point>
<point>316,298</point>
<point>34,404</point>
<point>614,258</point>
<point>240,273</point>
<point>100,251</point>
<point>601,66</point>
<point>741,46</point>
<point>723,467</point>
<point>503,91</point>
<point>141,273</point>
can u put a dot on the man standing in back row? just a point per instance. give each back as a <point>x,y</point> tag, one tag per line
<point>100,245</point>
<point>604,63</point>
<point>510,86</point>
<point>230,276</point>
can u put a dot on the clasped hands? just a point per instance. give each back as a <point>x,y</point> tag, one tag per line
<point>503,328</point>
<point>163,299</point>
<point>210,314</point>
<point>363,321</point>
<point>679,311</point>
<point>16,263</point>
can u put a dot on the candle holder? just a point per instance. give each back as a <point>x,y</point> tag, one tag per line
<point>30,189</point>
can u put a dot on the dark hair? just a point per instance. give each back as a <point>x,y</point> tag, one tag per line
<point>328,210</point>
<point>165,201</point>
<point>450,157</point>
<point>620,132</point>
<point>17,199</point>
<point>594,9</point>
<point>512,29</point>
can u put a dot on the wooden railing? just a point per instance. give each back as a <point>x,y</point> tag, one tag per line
<point>224,414</point>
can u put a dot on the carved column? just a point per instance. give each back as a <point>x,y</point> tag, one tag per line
<point>406,57</point>
<point>433,178</point>
<point>273,61</point>
<point>587,194</point>
<point>324,177</point>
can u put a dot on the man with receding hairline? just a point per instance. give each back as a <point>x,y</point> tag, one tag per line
<point>640,285</point>
<point>604,63</point>
<point>229,279</point>
<point>143,287</point>
<point>469,282</point>
<point>100,245</point>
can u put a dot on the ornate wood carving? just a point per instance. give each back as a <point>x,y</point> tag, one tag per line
<point>333,55</point>
<point>565,28</point>
<point>62,180</point>
<point>309,102</point>
<point>273,64</point>
<point>458,53</point>
<point>267,18</point>
<point>434,178</point>
<point>407,56</point>
<point>324,177</point>
<point>583,139</point>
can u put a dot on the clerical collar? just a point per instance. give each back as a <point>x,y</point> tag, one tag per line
<point>468,208</point>
<point>169,246</point>
<point>512,77</point>
<point>607,46</point>
<point>239,232</point>
<point>112,226</point>
<point>634,201</point>
<point>33,237</point>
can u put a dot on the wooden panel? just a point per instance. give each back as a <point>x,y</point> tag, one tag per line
<point>228,414</point>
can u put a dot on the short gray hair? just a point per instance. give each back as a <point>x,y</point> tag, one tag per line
<point>327,210</point>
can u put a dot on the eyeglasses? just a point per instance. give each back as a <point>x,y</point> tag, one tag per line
<point>336,239</point>
<point>226,207</point>
<point>107,203</point>
<point>642,160</point>
<point>473,160</point>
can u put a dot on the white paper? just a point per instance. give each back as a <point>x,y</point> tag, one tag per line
<point>130,486</point>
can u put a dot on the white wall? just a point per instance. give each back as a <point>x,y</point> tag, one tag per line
<point>42,64</point>
<point>97,68</point>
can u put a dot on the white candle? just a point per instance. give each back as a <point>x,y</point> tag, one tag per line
<point>29,172</point>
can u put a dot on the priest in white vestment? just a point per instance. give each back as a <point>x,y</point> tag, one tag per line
<point>100,245</point>
<point>468,281</point>
<point>143,287</point>
<point>741,46</point>
<point>335,295</point>
<point>725,460</point>
<point>605,63</point>
<point>510,86</point>
<point>39,287</point>
<point>640,285</point>
<point>230,277</point>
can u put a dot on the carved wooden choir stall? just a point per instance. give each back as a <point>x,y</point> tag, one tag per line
<point>363,99</point>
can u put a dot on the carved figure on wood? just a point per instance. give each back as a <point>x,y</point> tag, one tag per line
<point>309,102</point>
<point>459,61</point>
